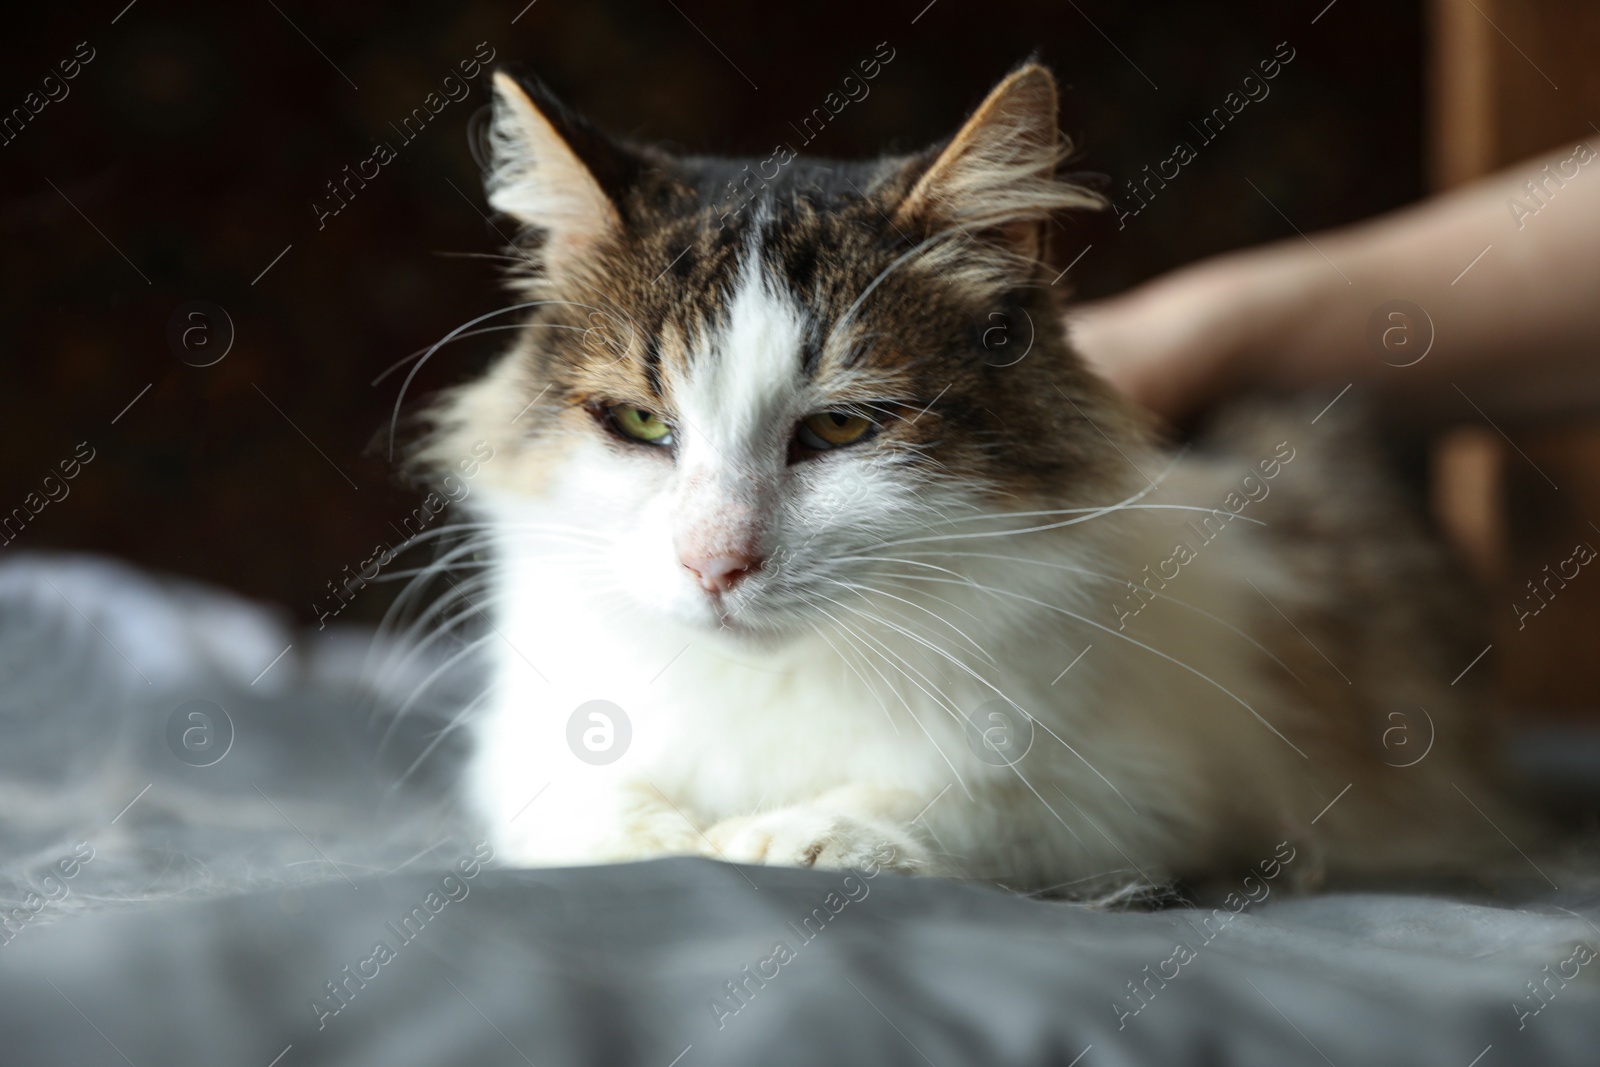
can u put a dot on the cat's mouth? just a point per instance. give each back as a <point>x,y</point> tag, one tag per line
<point>741,618</point>
<point>738,615</point>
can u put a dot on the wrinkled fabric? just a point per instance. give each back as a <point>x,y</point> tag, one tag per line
<point>233,912</point>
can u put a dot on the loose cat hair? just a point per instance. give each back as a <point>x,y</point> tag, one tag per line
<point>816,500</point>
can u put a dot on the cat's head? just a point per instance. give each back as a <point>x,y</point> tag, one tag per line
<point>741,387</point>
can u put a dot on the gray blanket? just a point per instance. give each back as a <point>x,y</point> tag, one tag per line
<point>286,880</point>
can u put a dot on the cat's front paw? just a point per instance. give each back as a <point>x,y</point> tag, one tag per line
<point>805,836</point>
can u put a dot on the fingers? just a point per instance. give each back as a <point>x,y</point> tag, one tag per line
<point>1153,349</point>
<point>1185,341</point>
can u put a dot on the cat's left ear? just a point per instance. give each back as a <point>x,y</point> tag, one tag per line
<point>996,178</point>
<point>553,171</point>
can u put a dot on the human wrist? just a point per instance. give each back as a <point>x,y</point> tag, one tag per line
<point>1278,291</point>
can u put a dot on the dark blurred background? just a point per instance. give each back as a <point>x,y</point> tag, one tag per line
<point>189,151</point>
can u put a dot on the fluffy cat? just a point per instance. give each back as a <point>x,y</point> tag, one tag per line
<point>794,467</point>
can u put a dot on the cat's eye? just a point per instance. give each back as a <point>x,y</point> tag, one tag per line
<point>639,424</point>
<point>832,429</point>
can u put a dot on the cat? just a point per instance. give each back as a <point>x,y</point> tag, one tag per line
<point>813,543</point>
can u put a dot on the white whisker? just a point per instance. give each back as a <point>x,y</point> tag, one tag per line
<point>996,690</point>
<point>939,701</point>
<point>1112,578</point>
<point>1133,641</point>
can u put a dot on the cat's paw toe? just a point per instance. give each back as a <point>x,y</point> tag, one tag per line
<point>808,837</point>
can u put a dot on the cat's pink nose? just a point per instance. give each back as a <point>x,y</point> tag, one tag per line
<point>718,574</point>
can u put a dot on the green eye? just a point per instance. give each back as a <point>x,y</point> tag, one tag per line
<point>832,429</point>
<point>640,425</point>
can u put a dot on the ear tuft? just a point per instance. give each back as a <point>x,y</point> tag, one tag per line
<point>538,176</point>
<point>998,173</point>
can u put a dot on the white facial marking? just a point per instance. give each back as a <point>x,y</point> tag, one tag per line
<point>746,378</point>
<point>735,414</point>
<point>727,496</point>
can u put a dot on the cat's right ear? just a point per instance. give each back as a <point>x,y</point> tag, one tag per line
<point>996,178</point>
<point>548,170</point>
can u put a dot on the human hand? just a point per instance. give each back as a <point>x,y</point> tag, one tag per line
<point>1188,339</point>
